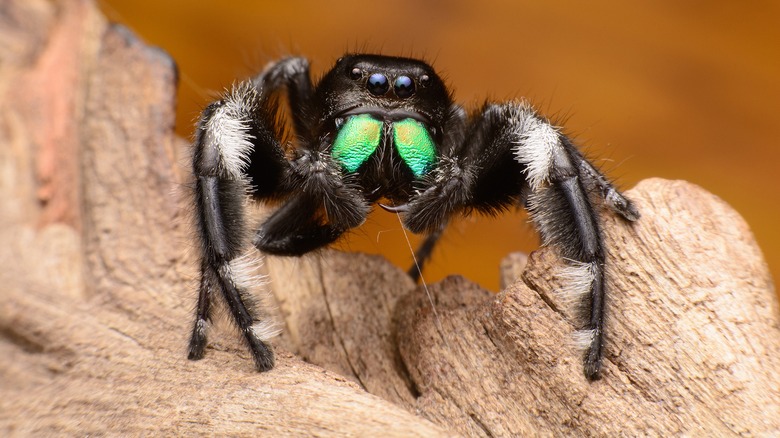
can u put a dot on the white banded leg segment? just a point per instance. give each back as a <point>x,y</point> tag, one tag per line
<point>226,140</point>
<point>583,339</point>
<point>222,150</point>
<point>265,329</point>
<point>585,246</point>
<point>578,278</point>
<point>245,275</point>
<point>245,271</point>
<point>537,143</point>
<point>560,208</point>
<point>244,310</point>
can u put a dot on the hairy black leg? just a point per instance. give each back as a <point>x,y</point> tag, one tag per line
<point>293,74</point>
<point>561,209</point>
<point>323,207</point>
<point>229,132</point>
<point>424,252</point>
<point>612,197</point>
<point>299,225</point>
<point>513,155</point>
<point>221,228</point>
<point>565,218</point>
<point>312,171</point>
<point>197,348</point>
<point>584,247</point>
<point>295,229</point>
<point>549,180</point>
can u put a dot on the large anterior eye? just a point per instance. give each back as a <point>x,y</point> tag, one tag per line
<point>404,86</point>
<point>378,84</point>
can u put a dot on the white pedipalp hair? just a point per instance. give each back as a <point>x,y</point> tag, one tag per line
<point>229,127</point>
<point>537,142</point>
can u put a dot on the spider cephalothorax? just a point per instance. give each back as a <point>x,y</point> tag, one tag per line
<point>373,128</point>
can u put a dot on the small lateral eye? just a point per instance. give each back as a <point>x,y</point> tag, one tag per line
<point>404,86</point>
<point>378,84</point>
<point>424,80</point>
<point>356,73</point>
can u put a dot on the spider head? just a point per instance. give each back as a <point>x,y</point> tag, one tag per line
<point>385,117</point>
<point>390,88</point>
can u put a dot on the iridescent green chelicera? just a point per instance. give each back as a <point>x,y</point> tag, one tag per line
<point>360,135</point>
<point>356,141</point>
<point>415,145</point>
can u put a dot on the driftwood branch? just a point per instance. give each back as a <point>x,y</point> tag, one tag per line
<point>97,287</point>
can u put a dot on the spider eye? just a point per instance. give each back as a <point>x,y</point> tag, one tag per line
<point>378,84</point>
<point>356,73</point>
<point>424,80</point>
<point>404,86</point>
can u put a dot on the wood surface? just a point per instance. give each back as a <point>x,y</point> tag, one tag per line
<point>97,279</point>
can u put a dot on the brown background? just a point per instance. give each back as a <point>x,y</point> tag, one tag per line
<point>680,90</point>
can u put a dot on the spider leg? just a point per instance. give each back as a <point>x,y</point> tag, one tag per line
<point>292,73</point>
<point>222,147</point>
<point>323,205</point>
<point>509,155</point>
<point>296,228</point>
<point>565,218</point>
<point>560,207</point>
<point>612,197</point>
<point>424,253</point>
<point>237,141</point>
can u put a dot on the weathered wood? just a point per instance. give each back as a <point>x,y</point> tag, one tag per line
<point>98,282</point>
<point>96,271</point>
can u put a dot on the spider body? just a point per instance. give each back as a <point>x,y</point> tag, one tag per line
<point>382,120</point>
<point>380,128</point>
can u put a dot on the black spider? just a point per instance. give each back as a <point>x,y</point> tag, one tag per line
<point>373,128</point>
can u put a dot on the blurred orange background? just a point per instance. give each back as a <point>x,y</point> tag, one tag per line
<point>679,90</point>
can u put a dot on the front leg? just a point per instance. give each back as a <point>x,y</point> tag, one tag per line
<point>558,177</point>
<point>424,253</point>
<point>293,75</point>
<point>512,155</point>
<point>239,150</point>
<point>612,197</point>
<point>222,148</point>
<point>296,228</point>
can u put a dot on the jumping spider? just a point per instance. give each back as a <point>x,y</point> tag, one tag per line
<point>382,128</point>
